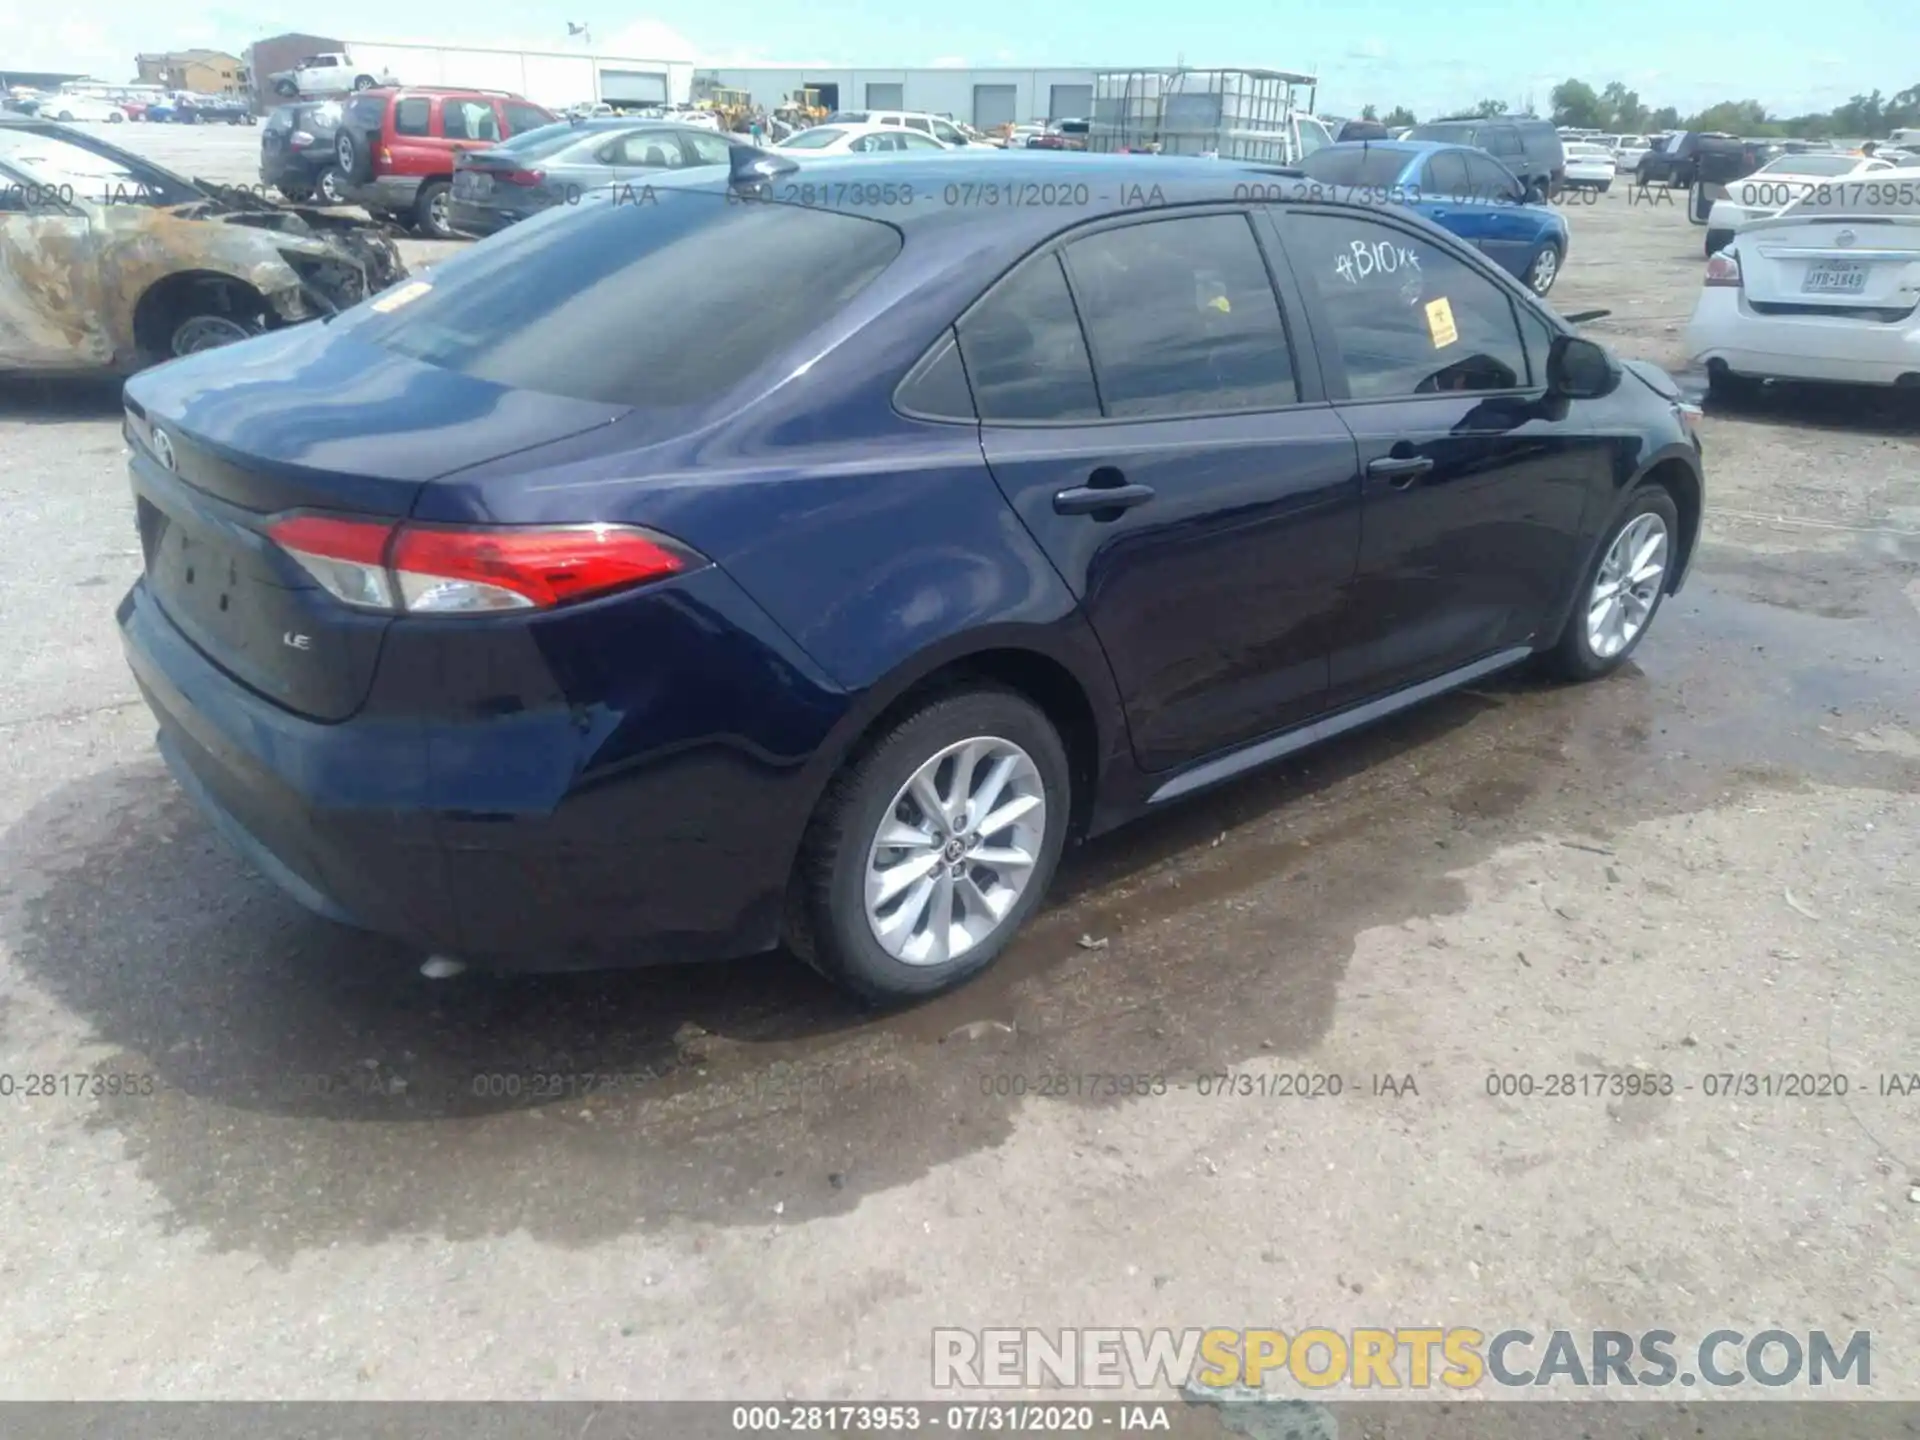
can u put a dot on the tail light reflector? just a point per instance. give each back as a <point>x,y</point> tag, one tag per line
<point>1723,269</point>
<point>522,177</point>
<point>299,140</point>
<point>459,570</point>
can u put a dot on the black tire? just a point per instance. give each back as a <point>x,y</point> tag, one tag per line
<point>286,87</point>
<point>65,117</point>
<point>430,216</point>
<point>364,82</point>
<point>1572,656</point>
<point>354,154</point>
<point>1717,241</point>
<point>1605,186</point>
<point>294,191</point>
<point>1540,276</point>
<point>827,919</point>
<point>1727,388</point>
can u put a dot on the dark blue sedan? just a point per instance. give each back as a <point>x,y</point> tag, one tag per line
<point>808,557</point>
<point>1456,186</point>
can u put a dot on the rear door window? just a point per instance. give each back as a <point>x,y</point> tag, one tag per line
<point>410,117</point>
<point>1182,318</point>
<point>468,120</point>
<point>624,305</point>
<point>1024,353</point>
<point>1445,173</point>
<point>1402,316</point>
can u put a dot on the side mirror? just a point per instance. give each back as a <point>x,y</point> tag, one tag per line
<point>1580,370</point>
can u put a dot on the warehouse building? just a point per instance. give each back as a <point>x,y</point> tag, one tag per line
<point>983,97</point>
<point>554,78</point>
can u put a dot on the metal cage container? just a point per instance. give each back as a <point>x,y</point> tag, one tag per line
<point>1231,114</point>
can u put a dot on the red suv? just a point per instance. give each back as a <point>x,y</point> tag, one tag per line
<point>396,146</point>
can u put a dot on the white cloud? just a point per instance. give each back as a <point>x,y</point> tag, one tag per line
<point>949,62</point>
<point>1371,48</point>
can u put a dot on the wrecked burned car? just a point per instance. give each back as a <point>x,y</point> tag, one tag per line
<point>109,262</point>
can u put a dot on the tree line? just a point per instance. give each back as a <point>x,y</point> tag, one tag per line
<point>1616,109</point>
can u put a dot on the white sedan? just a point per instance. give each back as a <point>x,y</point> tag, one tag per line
<point>823,140</point>
<point>1829,289</point>
<point>1776,185</point>
<point>1589,166</point>
<point>69,108</point>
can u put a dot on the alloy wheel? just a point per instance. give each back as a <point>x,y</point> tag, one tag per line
<point>1628,586</point>
<point>955,850</point>
<point>1546,268</point>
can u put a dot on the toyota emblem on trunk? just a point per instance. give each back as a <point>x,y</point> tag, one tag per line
<point>1845,237</point>
<point>163,449</point>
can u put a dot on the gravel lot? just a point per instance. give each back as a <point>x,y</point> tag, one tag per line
<point>1703,865</point>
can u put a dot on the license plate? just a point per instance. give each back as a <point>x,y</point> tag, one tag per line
<point>1835,277</point>
<point>469,183</point>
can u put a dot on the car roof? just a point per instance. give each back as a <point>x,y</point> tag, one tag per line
<point>1115,184</point>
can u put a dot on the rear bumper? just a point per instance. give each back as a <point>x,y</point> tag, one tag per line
<point>1726,330</point>
<point>481,220</point>
<point>658,824</point>
<point>391,193</point>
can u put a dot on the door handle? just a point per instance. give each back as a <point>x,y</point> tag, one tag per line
<point>1400,471</point>
<point>1092,499</point>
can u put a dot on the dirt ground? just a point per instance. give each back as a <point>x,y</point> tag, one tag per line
<point>1703,866</point>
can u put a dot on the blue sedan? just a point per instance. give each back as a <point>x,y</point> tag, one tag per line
<point>670,578</point>
<point>1460,189</point>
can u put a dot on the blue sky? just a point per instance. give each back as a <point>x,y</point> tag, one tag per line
<point>1431,56</point>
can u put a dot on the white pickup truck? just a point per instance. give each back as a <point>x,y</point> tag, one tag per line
<point>333,73</point>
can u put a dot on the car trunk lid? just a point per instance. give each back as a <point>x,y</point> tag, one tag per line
<point>1847,264</point>
<point>301,420</point>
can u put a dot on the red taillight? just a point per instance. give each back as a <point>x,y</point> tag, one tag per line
<point>521,177</point>
<point>1723,269</point>
<point>446,569</point>
<point>454,570</point>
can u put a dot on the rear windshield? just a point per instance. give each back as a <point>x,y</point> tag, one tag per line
<point>818,138</point>
<point>532,144</point>
<point>1361,165</point>
<point>623,303</point>
<point>1458,132</point>
<point>1809,165</point>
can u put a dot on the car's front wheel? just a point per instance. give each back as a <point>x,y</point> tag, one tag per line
<point>1544,270</point>
<point>1622,590</point>
<point>933,846</point>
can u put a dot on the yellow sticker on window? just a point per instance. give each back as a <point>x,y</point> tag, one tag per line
<point>1440,323</point>
<point>405,294</point>
<point>1222,304</point>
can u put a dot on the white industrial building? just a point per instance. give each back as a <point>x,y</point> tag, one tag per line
<point>555,79</point>
<point>985,97</point>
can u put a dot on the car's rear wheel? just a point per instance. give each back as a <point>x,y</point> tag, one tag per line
<point>431,215</point>
<point>933,846</point>
<point>1623,588</point>
<point>1544,270</point>
<point>364,82</point>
